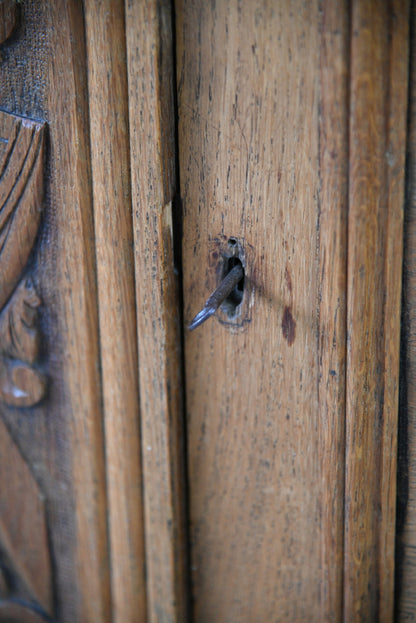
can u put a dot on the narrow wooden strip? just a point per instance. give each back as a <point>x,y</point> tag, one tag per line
<point>377,145</point>
<point>76,307</point>
<point>406,550</point>
<point>107,85</point>
<point>150,75</point>
<point>332,249</point>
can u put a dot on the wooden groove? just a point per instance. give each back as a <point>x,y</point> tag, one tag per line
<point>109,128</point>
<point>74,273</point>
<point>332,256</point>
<point>379,35</point>
<point>152,144</point>
<point>405,606</point>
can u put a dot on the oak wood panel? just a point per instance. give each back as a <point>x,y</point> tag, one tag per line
<point>43,76</point>
<point>75,280</point>
<point>110,151</point>
<point>379,65</point>
<point>406,477</point>
<point>152,143</point>
<point>262,90</point>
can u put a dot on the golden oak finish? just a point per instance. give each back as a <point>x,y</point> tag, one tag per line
<point>109,131</point>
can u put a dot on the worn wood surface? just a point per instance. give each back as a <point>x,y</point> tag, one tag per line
<point>23,527</point>
<point>83,442</point>
<point>263,138</point>
<point>150,80</point>
<point>21,198</point>
<point>74,282</point>
<point>263,152</point>
<point>406,478</point>
<point>43,75</point>
<point>110,151</point>
<point>7,18</point>
<point>379,65</point>
<point>291,143</point>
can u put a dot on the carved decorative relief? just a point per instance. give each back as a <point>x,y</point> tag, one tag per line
<point>7,18</point>
<point>21,192</point>
<point>26,586</point>
<point>24,551</point>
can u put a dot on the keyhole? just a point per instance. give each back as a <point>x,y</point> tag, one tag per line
<point>234,299</point>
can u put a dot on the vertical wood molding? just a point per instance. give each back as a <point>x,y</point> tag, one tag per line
<point>406,529</point>
<point>152,144</point>
<point>332,255</point>
<point>379,62</point>
<point>109,127</point>
<point>75,275</point>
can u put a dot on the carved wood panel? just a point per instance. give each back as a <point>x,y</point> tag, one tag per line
<point>25,565</point>
<point>53,529</point>
<point>21,194</point>
<point>61,384</point>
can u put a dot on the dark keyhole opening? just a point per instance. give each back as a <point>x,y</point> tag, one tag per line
<point>234,299</point>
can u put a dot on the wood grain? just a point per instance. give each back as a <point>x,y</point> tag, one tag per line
<point>377,137</point>
<point>262,92</point>
<point>406,541</point>
<point>152,144</point>
<point>73,276</point>
<point>43,75</point>
<point>23,527</point>
<point>21,196</point>
<point>108,105</point>
<point>333,172</point>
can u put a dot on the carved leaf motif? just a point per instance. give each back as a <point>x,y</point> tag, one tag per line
<point>21,191</point>
<point>19,331</point>
<point>21,385</point>
<point>23,529</point>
